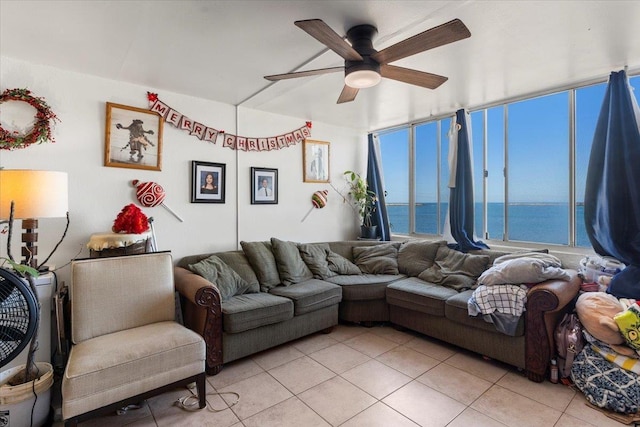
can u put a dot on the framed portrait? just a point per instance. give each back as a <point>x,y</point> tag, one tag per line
<point>315,161</point>
<point>264,186</point>
<point>208,181</point>
<point>133,138</point>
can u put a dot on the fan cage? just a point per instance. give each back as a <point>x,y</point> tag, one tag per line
<point>18,315</point>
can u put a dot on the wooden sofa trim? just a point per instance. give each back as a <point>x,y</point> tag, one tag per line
<point>546,302</point>
<point>205,298</point>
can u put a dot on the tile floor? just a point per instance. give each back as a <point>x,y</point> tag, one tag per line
<point>357,376</point>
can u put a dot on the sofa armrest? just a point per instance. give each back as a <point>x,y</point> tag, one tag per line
<point>546,302</point>
<point>202,313</point>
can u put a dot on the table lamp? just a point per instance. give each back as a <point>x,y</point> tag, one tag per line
<point>35,194</point>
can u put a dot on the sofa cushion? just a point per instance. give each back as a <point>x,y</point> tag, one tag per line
<point>341,265</point>
<point>238,261</point>
<point>250,311</point>
<point>456,309</point>
<point>228,282</point>
<point>310,295</point>
<point>261,258</point>
<point>521,270</point>
<point>418,295</point>
<point>378,259</point>
<point>291,267</point>
<point>455,269</point>
<point>315,256</point>
<point>415,256</point>
<point>364,286</point>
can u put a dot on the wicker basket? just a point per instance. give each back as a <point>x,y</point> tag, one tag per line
<point>136,248</point>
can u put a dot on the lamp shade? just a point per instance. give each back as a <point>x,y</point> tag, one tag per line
<point>36,194</point>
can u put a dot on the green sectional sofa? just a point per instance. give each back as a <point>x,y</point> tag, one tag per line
<point>269,293</point>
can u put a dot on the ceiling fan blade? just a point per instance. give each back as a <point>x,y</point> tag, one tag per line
<point>317,29</point>
<point>414,77</point>
<point>304,73</point>
<point>443,34</point>
<point>348,94</point>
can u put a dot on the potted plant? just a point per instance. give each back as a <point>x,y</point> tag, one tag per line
<point>364,202</point>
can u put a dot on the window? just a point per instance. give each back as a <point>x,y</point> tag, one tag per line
<point>524,158</point>
<point>426,173</point>
<point>537,170</point>
<point>394,153</point>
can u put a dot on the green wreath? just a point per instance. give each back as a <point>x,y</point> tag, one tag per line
<point>41,131</point>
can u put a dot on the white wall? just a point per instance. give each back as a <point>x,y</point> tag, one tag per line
<point>98,193</point>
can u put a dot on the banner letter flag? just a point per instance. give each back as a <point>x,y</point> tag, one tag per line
<point>252,143</point>
<point>160,108</point>
<point>272,143</point>
<point>281,141</point>
<point>262,144</point>
<point>290,140</point>
<point>198,130</point>
<point>210,134</point>
<point>230,141</point>
<point>241,143</point>
<point>306,132</point>
<point>186,123</point>
<point>298,135</point>
<point>173,117</point>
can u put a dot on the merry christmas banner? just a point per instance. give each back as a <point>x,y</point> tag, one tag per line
<point>235,142</point>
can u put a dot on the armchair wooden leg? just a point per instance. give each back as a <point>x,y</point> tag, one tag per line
<point>201,385</point>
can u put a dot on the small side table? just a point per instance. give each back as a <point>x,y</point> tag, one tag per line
<point>103,245</point>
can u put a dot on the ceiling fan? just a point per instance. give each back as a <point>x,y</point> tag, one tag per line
<point>364,66</point>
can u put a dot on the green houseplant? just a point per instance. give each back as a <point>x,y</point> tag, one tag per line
<point>364,202</point>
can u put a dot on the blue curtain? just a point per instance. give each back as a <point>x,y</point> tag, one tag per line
<point>612,193</point>
<point>461,206</point>
<point>374,181</point>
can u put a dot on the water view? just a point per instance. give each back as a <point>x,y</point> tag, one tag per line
<point>528,222</point>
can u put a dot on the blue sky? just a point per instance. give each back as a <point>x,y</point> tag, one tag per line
<point>538,150</point>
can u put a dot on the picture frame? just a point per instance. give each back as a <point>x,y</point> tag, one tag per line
<point>133,138</point>
<point>208,182</point>
<point>264,186</point>
<point>315,161</point>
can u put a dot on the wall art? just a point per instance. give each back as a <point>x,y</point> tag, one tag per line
<point>264,186</point>
<point>208,182</point>
<point>133,138</point>
<point>315,161</point>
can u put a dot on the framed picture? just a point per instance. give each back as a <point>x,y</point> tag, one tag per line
<point>133,138</point>
<point>208,181</point>
<point>315,161</point>
<point>264,186</point>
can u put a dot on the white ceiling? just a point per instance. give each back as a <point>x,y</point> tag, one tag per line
<point>220,50</point>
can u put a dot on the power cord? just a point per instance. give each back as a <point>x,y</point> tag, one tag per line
<point>190,402</point>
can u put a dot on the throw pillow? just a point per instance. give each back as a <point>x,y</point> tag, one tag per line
<point>291,267</point>
<point>340,265</point>
<point>239,263</point>
<point>228,282</point>
<point>261,258</point>
<point>377,259</point>
<point>415,256</point>
<point>522,271</point>
<point>315,256</point>
<point>455,269</point>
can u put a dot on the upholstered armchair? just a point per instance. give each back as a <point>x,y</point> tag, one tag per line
<point>126,345</point>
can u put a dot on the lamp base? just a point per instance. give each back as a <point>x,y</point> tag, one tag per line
<point>30,240</point>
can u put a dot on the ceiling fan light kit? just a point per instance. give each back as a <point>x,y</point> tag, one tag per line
<point>364,66</point>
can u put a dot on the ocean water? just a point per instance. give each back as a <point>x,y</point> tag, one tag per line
<point>528,222</point>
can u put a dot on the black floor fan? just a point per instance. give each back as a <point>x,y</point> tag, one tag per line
<point>18,316</point>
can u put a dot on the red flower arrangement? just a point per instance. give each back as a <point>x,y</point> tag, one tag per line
<point>41,131</point>
<point>131,220</point>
